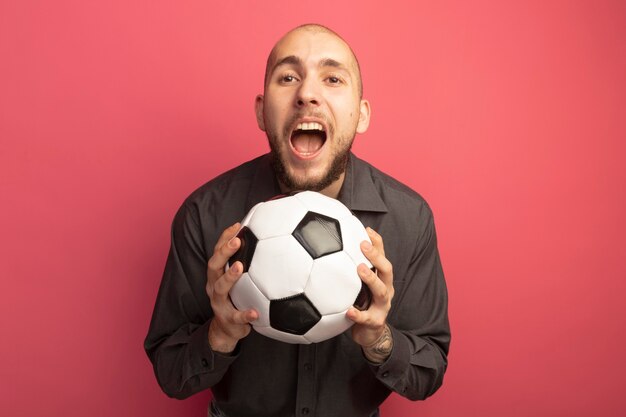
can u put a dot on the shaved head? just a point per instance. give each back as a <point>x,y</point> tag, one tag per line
<point>313,28</point>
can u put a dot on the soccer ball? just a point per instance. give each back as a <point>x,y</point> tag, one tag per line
<point>300,255</point>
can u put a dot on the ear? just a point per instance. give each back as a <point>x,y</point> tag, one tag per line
<point>258,108</point>
<point>364,116</point>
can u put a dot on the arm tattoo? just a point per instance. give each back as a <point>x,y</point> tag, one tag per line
<point>380,350</point>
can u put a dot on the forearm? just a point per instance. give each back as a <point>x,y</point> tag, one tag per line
<point>379,351</point>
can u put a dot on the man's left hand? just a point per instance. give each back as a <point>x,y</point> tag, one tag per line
<point>370,329</point>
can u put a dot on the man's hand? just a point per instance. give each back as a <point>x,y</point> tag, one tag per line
<point>370,329</point>
<point>228,325</point>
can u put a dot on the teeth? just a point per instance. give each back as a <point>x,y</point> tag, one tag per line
<point>310,126</point>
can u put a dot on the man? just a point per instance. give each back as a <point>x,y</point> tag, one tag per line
<point>311,110</point>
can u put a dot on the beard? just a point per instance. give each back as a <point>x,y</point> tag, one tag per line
<point>338,165</point>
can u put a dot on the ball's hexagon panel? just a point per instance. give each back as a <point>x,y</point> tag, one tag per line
<point>320,235</point>
<point>353,234</point>
<point>334,283</point>
<point>246,219</point>
<point>276,217</point>
<point>246,295</point>
<point>294,315</point>
<point>245,253</point>
<point>322,204</point>
<point>329,326</point>
<point>280,267</point>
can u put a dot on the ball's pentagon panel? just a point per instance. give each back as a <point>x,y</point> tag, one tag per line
<point>353,234</point>
<point>246,295</point>
<point>284,268</point>
<point>276,217</point>
<point>326,206</point>
<point>295,315</point>
<point>282,336</point>
<point>246,251</point>
<point>320,235</point>
<point>334,283</point>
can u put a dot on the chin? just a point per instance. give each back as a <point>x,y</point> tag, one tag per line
<point>302,182</point>
<point>315,178</point>
<point>313,181</point>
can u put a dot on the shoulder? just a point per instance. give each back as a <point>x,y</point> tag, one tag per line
<point>397,196</point>
<point>222,200</point>
<point>407,225</point>
<point>235,179</point>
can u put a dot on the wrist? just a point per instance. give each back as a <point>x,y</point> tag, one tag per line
<point>380,349</point>
<point>219,341</point>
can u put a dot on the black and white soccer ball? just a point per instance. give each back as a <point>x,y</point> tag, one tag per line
<point>300,255</point>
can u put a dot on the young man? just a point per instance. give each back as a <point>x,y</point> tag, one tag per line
<point>311,110</point>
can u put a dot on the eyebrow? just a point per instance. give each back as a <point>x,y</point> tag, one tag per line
<point>294,60</point>
<point>329,62</point>
<point>288,60</point>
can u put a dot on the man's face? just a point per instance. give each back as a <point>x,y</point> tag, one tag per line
<point>312,109</point>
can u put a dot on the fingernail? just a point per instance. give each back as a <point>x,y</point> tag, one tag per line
<point>236,267</point>
<point>232,243</point>
<point>363,269</point>
<point>366,245</point>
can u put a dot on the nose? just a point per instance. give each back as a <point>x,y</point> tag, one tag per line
<point>308,94</point>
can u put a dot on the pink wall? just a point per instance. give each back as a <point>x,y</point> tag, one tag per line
<point>509,119</point>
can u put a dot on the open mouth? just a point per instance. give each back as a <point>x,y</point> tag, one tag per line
<point>307,139</point>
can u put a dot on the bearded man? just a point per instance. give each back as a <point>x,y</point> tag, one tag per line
<point>311,110</point>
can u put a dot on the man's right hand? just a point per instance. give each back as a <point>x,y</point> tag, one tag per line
<point>228,325</point>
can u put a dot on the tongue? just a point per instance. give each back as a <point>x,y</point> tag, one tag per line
<point>307,143</point>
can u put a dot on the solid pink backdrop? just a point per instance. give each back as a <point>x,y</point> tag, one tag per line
<point>509,117</point>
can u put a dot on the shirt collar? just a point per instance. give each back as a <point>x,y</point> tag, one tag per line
<point>358,192</point>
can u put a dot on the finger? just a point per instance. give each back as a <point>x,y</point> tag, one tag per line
<point>377,258</point>
<point>377,287</point>
<point>220,257</point>
<point>366,318</point>
<point>216,286</point>
<point>222,285</point>
<point>377,240</point>
<point>235,323</point>
<point>227,234</point>
<point>355,315</point>
<point>244,317</point>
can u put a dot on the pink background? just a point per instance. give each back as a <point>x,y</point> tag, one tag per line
<point>509,117</point>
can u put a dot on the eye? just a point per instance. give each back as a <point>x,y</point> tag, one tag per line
<point>334,80</point>
<point>288,79</point>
